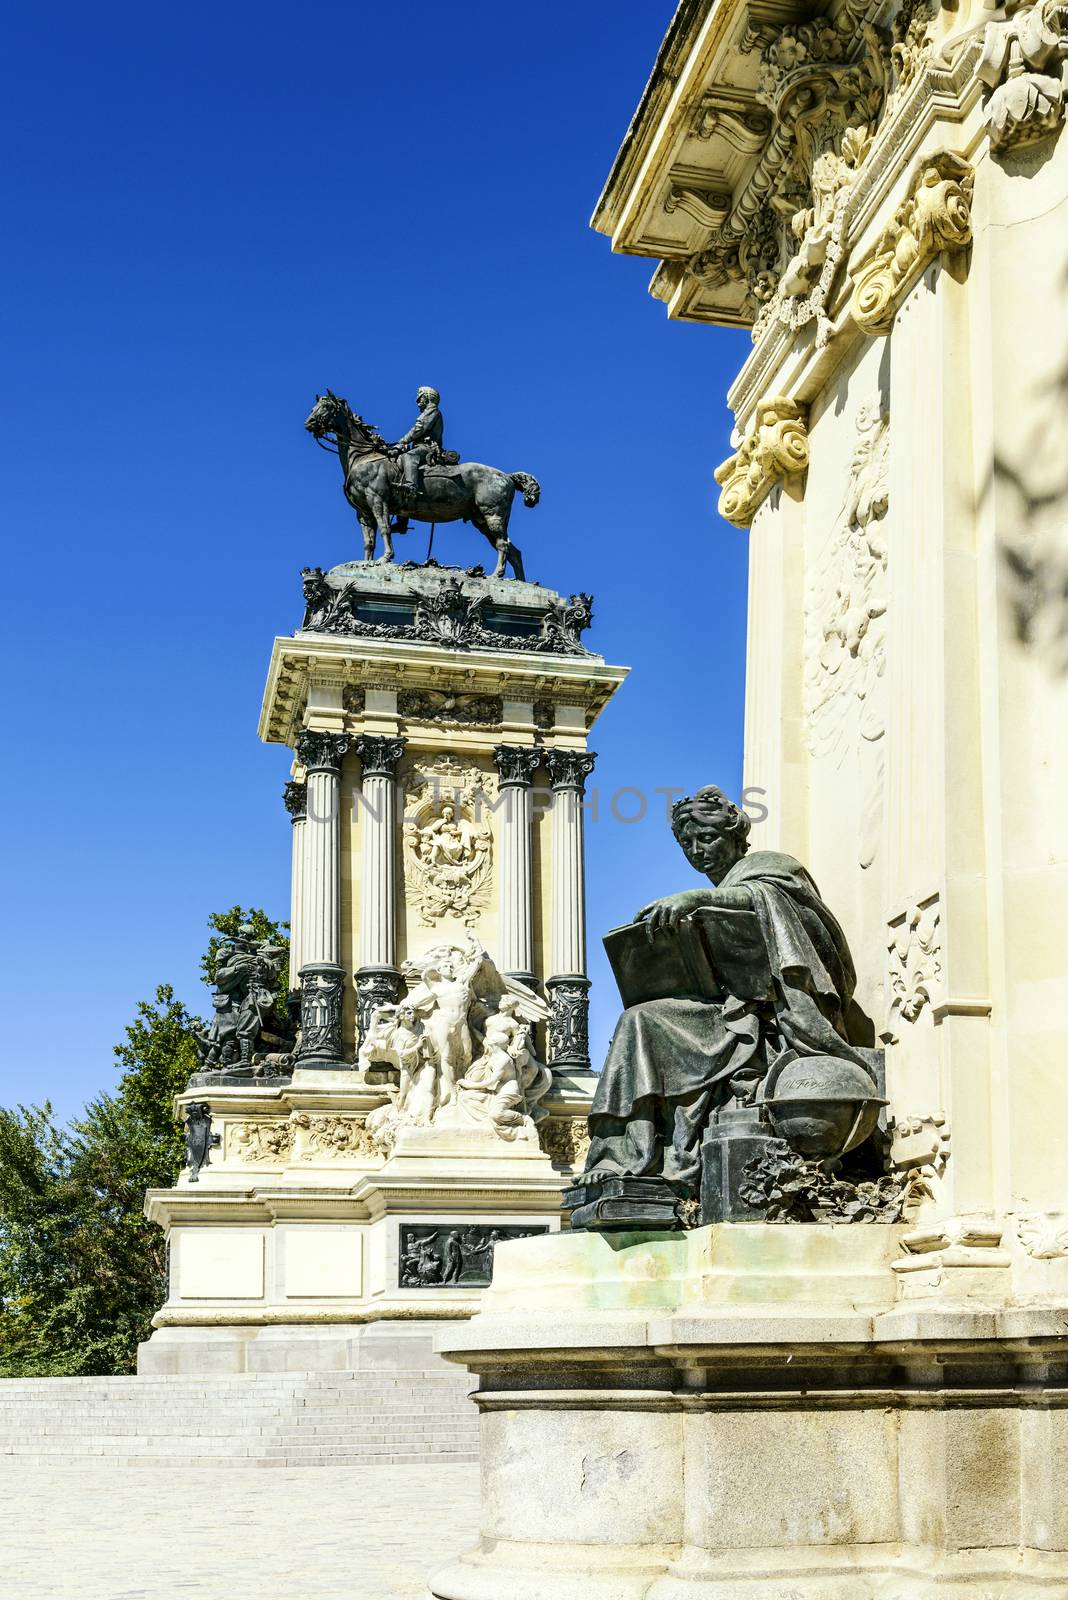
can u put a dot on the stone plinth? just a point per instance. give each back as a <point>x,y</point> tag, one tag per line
<point>293,1249</point>
<point>436,718</point>
<point>747,1411</point>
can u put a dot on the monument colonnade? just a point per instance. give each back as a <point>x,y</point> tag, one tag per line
<point>314,802</point>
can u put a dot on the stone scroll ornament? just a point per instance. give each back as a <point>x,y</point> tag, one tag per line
<point>460,1044</point>
<point>777,448</point>
<point>934,216</point>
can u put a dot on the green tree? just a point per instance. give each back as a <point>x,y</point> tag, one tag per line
<point>81,1270</point>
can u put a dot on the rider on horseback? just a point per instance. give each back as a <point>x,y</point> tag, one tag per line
<point>421,445</point>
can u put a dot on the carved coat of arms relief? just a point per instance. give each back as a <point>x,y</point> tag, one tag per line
<point>448,841</point>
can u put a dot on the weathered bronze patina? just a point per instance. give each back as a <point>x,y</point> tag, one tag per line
<point>387,485</point>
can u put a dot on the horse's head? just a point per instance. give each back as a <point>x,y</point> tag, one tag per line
<point>326,415</point>
<point>332,415</point>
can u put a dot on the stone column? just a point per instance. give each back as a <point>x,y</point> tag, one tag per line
<point>321,977</point>
<point>377,980</point>
<point>516,765</point>
<point>569,987</point>
<point>295,798</point>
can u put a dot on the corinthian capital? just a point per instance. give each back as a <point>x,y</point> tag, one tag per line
<point>295,799</point>
<point>319,751</point>
<point>776,448</point>
<point>516,763</point>
<point>569,769</point>
<point>379,754</point>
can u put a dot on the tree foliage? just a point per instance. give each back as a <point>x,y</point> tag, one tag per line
<point>81,1270</point>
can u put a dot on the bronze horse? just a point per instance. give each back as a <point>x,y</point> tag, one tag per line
<point>469,492</point>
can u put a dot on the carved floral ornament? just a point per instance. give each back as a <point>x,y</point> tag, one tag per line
<point>776,448</point>
<point>934,216</point>
<point>914,966</point>
<point>845,627</point>
<point>304,1136</point>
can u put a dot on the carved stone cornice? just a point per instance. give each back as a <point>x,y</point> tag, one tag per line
<point>934,216</point>
<point>379,754</point>
<point>517,763</point>
<point>776,448</point>
<point>803,128</point>
<point>321,751</point>
<point>295,800</point>
<point>569,769</point>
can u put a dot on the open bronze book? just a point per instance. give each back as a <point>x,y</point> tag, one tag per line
<point>713,953</point>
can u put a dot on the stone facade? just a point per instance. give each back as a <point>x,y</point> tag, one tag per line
<point>880,194</point>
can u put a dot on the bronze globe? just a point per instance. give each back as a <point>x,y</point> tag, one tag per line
<point>823,1106</point>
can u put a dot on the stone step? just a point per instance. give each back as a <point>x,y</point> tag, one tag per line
<point>251,1419</point>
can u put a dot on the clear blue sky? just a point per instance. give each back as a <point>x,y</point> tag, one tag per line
<point>211,213</point>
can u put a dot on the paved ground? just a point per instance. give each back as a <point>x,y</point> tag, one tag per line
<point>317,1533</point>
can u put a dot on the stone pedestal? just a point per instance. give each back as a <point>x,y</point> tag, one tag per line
<point>420,705</point>
<point>748,1411</point>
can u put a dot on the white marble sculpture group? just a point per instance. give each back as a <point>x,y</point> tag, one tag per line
<point>460,1043</point>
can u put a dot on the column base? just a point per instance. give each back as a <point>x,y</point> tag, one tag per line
<point>322,986</point>
<point>569,1025</point>
<point>375,986</point>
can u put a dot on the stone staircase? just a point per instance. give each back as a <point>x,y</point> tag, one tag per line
<point>252,1420</point>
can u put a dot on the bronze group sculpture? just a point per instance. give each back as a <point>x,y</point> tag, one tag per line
<point>387,485</point>
<point>731,991</point>
<point>243,1036</point>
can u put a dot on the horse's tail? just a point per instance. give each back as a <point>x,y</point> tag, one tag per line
<point>531,488</point>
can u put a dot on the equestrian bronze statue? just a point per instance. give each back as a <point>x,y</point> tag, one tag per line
<point>417,479</point>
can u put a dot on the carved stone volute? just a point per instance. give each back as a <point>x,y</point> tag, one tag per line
<point>776,448</point>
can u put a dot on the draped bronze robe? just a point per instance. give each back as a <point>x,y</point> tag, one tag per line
<point>671,1062</point>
